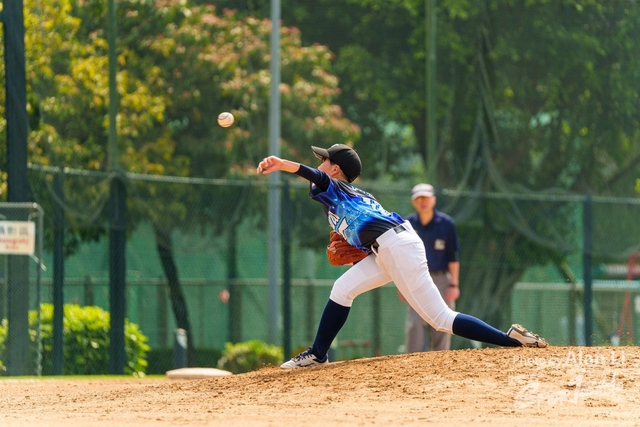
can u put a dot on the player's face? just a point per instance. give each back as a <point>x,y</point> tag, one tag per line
<point>328,168</point>
<point>424,204</point>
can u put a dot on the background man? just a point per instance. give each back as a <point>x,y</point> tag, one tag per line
<point>438,232</point>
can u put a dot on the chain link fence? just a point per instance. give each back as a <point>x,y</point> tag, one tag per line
<point>523,259</point>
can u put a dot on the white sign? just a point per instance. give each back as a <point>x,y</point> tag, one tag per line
<point>17,237</point>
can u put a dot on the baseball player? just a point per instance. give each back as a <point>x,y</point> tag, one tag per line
<point>438,232</point>
<point>394,252</point>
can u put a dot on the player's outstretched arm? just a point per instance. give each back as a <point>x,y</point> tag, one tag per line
<point>273,163</point>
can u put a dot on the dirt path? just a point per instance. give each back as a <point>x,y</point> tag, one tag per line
<point>559,386</point>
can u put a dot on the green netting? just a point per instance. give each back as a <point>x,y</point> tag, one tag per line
<point>555,309</point>
<point>520,255</point>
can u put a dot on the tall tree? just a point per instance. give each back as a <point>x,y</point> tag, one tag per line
<point>179,67</point>
<point>532,95</point>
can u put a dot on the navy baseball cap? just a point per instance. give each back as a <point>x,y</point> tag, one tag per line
<point>344,156</point>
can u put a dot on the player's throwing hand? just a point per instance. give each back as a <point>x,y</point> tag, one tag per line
<point>268,165</point>
<point>272,163</point>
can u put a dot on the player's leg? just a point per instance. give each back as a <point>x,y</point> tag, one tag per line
<point>360,278</point>
<point>363,276</point>
<point>402,256</point>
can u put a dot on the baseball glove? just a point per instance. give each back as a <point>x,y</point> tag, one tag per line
<point>340,252</point>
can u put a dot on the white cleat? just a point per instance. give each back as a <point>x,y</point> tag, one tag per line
<point>526,338</point>
<point>304,360</point>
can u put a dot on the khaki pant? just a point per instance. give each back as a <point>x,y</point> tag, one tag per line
<point>419,335</point>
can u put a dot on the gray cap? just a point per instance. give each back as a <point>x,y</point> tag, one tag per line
<point>422,190</point>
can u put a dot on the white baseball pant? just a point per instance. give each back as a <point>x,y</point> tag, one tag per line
<point>400,258</point>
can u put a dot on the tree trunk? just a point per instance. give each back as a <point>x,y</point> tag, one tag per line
<point>235,290</point>
<point>178,302</point>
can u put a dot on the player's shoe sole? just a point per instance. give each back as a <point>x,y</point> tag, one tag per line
<point>526,338</point>
<point>306,359</point>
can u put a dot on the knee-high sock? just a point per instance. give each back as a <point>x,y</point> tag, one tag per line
<point>332,320</point>
<point>475,329</point>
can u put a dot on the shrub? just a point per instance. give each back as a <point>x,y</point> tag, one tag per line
<point>3,339</point>
<point>249,356</point>
<point>85,341</point>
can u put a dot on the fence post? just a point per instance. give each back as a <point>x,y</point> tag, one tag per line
<point>286,267</point>
<point>3,286</point>
<point>310,296</point>
<point>161,295</point>
<point>58,275</point>
<point>117,271</point>
<point>17,345</point>
<point>376,313</point>
<point>587,239</point>
<point>234,324</point>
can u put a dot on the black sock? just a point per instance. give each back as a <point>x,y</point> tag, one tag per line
<point>475,329</point>
<point>332,320</point>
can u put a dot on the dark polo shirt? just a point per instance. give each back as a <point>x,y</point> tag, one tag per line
<point>440,240</point>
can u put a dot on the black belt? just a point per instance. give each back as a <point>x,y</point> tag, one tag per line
<point>398,229</point>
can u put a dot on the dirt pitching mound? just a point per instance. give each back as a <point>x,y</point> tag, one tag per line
<point>558,386</point>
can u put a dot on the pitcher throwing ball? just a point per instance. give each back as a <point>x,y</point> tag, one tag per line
<point>391,251</point>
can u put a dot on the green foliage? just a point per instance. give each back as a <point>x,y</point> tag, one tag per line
<point>179,66</point>
<point>249,356</point>
<point>531,95</point>
<point>3,340</point>
<point>551,113</point>
<point>86,341</point>
<point>554,82</point>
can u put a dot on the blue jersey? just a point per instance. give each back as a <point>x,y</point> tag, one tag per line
<point>352,212</point>
<point>440,239</point>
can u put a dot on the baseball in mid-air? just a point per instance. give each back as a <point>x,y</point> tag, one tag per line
<point>225,119</point>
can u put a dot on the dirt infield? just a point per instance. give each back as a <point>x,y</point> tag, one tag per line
<point>559,386</point>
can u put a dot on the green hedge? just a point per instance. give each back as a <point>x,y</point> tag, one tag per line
<point>86,341</point>
<point>3,339</point>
